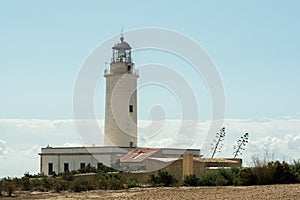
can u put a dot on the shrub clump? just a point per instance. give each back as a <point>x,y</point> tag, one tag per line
<point>133,184</point>
<point>1,187</point>
<point>272,173</point>
<point>9,186</point>
<point>220,177</point>
<point>191,180</point>
<point>296,169</point>
<point>163,178</point>
<point>111,182</point>
<point>83,184</point>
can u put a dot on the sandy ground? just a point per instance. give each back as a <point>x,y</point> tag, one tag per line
<point>180,193</point>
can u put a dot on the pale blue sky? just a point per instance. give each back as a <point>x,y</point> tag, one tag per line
<point>254,44</point>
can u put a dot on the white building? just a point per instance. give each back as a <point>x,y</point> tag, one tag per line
<point>120,140</point>
<point>63,159</point>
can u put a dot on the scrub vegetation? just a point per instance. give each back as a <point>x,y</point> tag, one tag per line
<point>108,179</point>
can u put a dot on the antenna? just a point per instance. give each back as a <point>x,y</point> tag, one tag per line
<point>122,32</point>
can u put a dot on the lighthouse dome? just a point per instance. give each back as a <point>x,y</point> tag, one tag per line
<point>122,45</point>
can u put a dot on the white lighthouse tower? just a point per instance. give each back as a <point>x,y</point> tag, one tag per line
<point>121,98</point>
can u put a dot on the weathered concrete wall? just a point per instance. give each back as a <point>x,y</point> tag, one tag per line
<point>177,168</point>
<point>188,164</point>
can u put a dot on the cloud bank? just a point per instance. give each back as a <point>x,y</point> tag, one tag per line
<point>21,139</point>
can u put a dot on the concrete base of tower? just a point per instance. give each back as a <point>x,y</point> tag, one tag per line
<point>119,139</point>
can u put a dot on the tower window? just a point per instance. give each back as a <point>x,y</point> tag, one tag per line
<point>128,68</point>
<point>131,144</point>
<point>130,108</point>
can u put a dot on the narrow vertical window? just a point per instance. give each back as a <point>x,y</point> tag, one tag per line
<point>50,168</point>
<point>130,108</point>
<point>128,69</point>
<point>66,167</point>
<point>131,144</point>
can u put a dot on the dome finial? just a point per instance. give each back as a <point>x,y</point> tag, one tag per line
<point>122,35</point>
<point>122,44</point>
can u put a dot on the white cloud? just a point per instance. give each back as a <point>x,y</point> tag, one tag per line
<point>31,152</point>
<point>280,137</point>
<point>68,144</point>
<point>2,146</point>
<point>21,139</point>
<point>2,142</point>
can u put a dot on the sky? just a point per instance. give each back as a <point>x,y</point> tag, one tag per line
<point>254,45</point>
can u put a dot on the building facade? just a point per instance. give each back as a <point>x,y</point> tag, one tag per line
<point>64,159</point>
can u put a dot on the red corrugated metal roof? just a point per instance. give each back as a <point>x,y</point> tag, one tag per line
<point>139,154</point>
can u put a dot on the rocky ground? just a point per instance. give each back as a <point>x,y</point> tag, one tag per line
<point>180,193</point>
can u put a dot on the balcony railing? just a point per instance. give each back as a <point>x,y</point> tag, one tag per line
<point>107,71</point>
<point>124,59</point>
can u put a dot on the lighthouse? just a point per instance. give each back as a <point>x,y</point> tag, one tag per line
<point>120,149</point>
<point>120,128</point>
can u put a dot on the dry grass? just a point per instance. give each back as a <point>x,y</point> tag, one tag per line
<point>180,193</point>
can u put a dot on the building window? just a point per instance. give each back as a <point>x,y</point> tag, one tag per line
<point>82,165</point>
<point>50,168</point>
<point>66,167</point>
<point>131,144</point>
<point>130,108</point>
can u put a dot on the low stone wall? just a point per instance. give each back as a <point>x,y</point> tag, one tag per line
<point>176,168</point>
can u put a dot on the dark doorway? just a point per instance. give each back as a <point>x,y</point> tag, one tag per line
<point>82,165</point>
<point>50,168</point>
<point>66,167</point>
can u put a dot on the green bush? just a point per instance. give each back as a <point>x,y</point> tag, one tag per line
<point>83,184</point>
<point>78,185</point>
<point>282,173</point>
<point>1,187</point>
<point>104,169</point>
<point>220,177</point>
<point>296,169</point>
<point>60,185</point>
<point>26,184</point>
<point>163,178</point>
<point>9,186</point>
<point>47,183</point>
<point>191,180</point>
<point>208,178</point>
<point>111,182</point>
<point>133,184</point>
<point>247,177</point>
<point>230,175</point>
<point>88,169</point>
<point>272,173</point>
<point>37,185</point>
<point>68,176</point>
<point>220,181</point>
<point>262,175</point>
